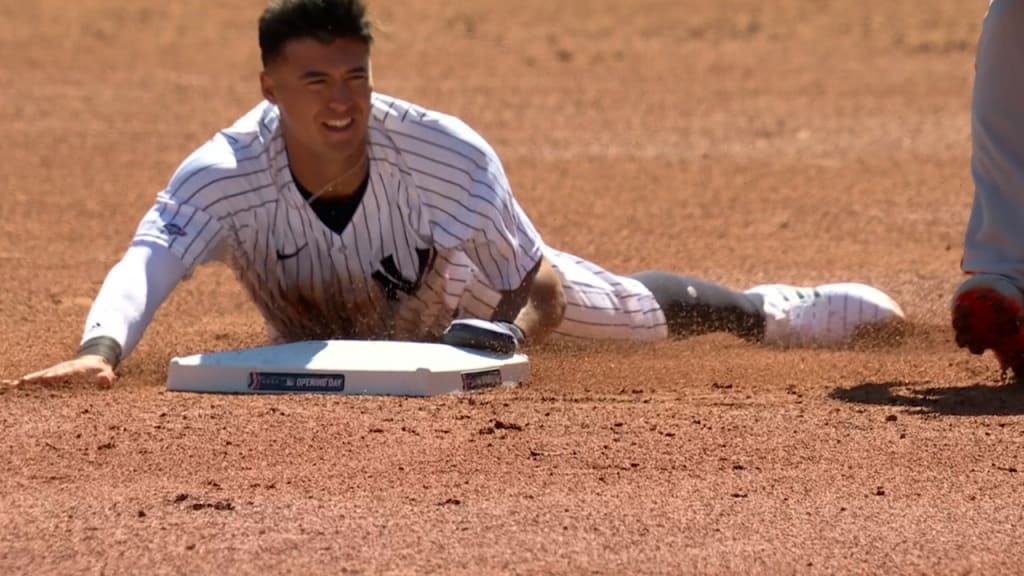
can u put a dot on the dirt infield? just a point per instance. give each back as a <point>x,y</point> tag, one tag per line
<point>805,142</point>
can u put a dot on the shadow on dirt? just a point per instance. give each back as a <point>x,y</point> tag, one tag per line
<point>973,400</point>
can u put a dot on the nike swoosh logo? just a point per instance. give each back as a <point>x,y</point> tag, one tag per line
<point>284,256</point>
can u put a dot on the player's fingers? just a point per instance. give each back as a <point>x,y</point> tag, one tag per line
<point>33,377</point>
<point>105,377</point>
<point>46,375</point>
<point>58,373</point>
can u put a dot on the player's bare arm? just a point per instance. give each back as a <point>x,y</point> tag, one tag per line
<point>537,306</point>
<point>526,315</point>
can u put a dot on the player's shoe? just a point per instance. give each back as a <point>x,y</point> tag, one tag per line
<point>986,315</point>
<point>830,315</point>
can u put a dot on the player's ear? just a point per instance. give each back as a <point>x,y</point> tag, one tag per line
<point>267,87</point>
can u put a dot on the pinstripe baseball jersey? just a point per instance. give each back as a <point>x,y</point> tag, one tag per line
<point>437,234</point>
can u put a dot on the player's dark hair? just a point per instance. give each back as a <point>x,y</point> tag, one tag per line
<point>321,20</point>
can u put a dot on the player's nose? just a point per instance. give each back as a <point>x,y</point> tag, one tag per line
<point>341,96</point>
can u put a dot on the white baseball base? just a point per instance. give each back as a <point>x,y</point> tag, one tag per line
<point>347,367</point>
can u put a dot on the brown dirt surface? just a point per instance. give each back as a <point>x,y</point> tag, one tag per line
<point>741,141</point>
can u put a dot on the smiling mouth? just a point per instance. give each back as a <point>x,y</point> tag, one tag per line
<point>339,124</point>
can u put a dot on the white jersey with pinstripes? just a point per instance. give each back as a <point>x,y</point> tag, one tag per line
<point>438,235</point>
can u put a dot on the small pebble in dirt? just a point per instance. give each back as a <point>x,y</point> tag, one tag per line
<point>141,514</point>
<point>180,498</point>
<point>891,418</point>
<point>879,491</point>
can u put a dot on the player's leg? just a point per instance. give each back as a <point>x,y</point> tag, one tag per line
<point>651,305</point>
<point>777,314</point>
<point>693,307</point>
<point>987,307</point>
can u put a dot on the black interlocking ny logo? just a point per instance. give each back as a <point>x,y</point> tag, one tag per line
<point>390,278</point>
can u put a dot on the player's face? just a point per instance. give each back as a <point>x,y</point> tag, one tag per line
<point>323,92</point>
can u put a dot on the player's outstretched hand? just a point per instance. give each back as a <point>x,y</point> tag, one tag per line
<point>500,337</point>
<point>94,369</point>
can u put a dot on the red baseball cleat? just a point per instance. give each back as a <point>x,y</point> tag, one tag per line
<point>987,316</point>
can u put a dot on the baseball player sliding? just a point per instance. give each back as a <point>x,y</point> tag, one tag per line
<point>346,213</point>
<point>988,306</point>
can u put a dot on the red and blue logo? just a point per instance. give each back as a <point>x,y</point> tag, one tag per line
<point>285,382</point>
